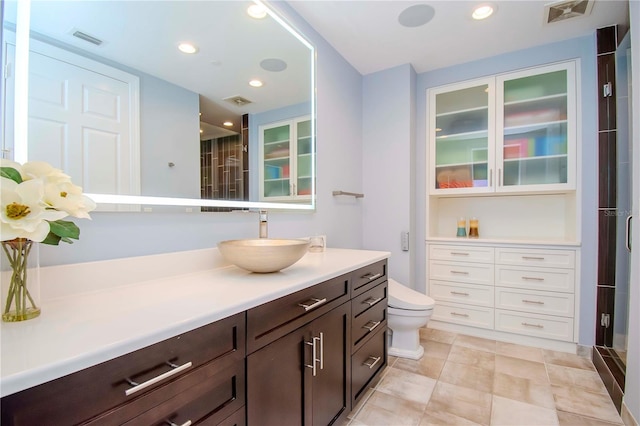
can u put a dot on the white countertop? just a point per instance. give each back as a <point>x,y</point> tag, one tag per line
<point>110,308</point>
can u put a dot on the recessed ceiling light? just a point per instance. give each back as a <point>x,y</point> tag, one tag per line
<point>483,11</point>
<point>255,83</point>
<point>187,48</point>
<point>257,11</point>
<point>227,123</point>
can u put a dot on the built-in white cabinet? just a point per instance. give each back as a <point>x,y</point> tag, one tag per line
<point>286,160</point>
<point>508,133</point>
<point>521,291</point>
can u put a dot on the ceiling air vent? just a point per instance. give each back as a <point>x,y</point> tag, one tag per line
<point>86,37</point>
<point>563,10</point>
<point>237,100</point>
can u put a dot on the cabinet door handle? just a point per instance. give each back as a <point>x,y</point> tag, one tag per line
<point>459,293</point>
<point>321,338</point>
<point>499,177</point>
<point>371,277</point>
<point>490,177</point>
<point>459,253</point>
<point>314,355</point>
<point>371,325</point>
<point>627,233</point>
<point>374,361</point>
<point>139,386</point>
<point>170,423</point>
<point>312,303</point>
<point>455,314</point>
<point>535,302</point>
<point>371,301</point>
<point>459,272</point>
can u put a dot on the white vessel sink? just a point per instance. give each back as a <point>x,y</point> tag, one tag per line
<point>263,255</point>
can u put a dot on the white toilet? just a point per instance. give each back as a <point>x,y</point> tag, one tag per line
<point>408,310</point>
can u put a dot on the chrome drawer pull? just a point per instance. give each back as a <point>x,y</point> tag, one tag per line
<point>533,258</point>
<point>321,351</point>
<point>371,301</point>
<point>371,277</point>
<point>170,423</point>
<point>371,325</point>
<point>314,354</point>
<point>455,314</point>
<point>459,253</point>
<point>139,386</point>
<point>526,324</point>
<point>460,272</point>
<point>536,302</point>
<point>459,293</point>
<point>375,361</point>
<point>533,279</point>
<point>312,303</point>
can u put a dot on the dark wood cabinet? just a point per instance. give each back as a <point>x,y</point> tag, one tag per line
<point>303,377</point>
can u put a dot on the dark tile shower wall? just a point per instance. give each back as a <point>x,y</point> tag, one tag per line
<point>607,41</point>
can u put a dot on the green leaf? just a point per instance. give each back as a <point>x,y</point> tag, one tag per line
<point>52,239</point>
<point>11,173</point>
<point>65,230</point>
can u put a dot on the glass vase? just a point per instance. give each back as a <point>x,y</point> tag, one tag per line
<point>20,280</point>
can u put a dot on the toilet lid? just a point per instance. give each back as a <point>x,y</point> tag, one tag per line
<point>405,298</point>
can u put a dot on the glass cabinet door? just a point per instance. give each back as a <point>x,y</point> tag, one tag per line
<point>462,138</point>
<point>536,119</point>
<point>276,161</point>
<point>305,158</point>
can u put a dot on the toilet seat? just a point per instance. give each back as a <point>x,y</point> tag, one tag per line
<point>402,297</point>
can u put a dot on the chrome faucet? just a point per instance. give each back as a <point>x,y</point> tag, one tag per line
<point>262,215</point>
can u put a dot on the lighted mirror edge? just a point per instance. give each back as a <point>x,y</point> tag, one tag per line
<point>193,202</point>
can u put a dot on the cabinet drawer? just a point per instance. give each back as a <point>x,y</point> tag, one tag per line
<point>368,300</point>
<point>272,320</point>
<point>536,257</point>
<point>546,326</point>
<point>102,387</point>
<point>367,361</point>
<point>551,279</point>
<point>212,392</point>
<point>364,278</point>
<point>475,316</point>
<point>470,294</point>
<point>461,253</point>
<point>368,322</point>
<point>541,302</point>
<point>476,273</point>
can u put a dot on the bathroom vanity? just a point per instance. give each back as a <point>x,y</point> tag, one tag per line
<point>201,346</point>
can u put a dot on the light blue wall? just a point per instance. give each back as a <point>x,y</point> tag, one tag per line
<point>582,48</point>
<point>388,140</point>
<point>339,140</point>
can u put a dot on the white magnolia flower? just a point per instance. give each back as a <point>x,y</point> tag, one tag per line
<point>68,197</point>
<point>23,214</point>
<point>43,170</point>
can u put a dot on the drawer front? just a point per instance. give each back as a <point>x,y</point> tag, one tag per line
<point>210,394</point>
<point>562,280</point>
<point>104,386</point>
<point>557,328</point>
<point>369,299</point>
<point>272,320</point>
<point>475,316</point>
<point>367,361</point>
<point>540,302</point>
<point>470,294</point>
<point>536,257</point>
<point>461,253</point>
<point>364,278</point>
<point>475,273</point>
<point>368,322</point>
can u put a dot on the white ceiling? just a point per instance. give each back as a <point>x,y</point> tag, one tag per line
<point>367,33</point>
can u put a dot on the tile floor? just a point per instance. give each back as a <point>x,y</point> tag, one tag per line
<point>464,380</point>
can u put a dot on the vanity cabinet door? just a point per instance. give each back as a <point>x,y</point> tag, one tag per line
<point>303,377</point>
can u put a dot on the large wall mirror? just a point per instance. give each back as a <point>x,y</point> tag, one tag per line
<point>178,103</point>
